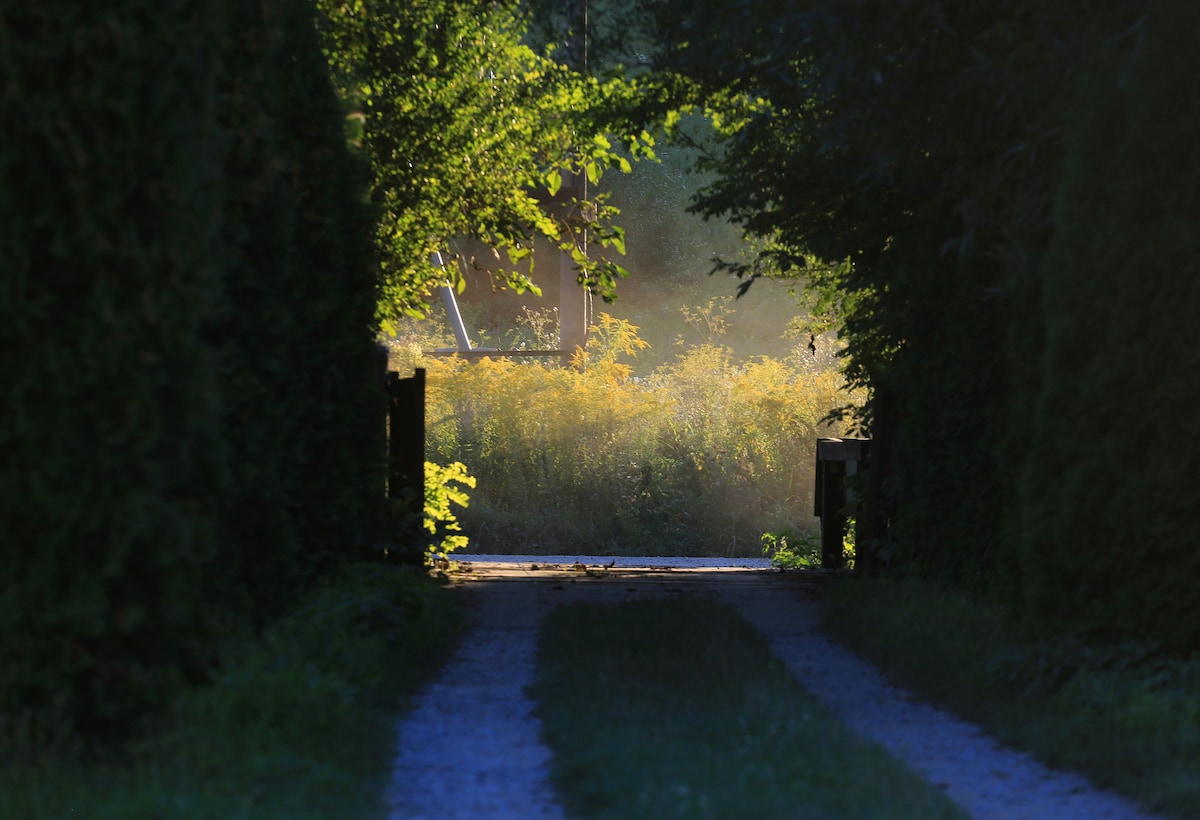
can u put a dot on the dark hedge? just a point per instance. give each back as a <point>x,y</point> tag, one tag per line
<point>1010,190</point>
<point>186,344</point>
<point>1045,391</point>
<point>297,330</point>
<point>1105,519</point>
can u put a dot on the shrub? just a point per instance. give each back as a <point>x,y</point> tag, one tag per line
<point>698,457</point>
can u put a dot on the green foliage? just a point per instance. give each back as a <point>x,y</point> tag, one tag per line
<point>465,125</point>
<point>298,723</point>
<point>790,550</point>
<point>677,708</point>
<point>440,493</point>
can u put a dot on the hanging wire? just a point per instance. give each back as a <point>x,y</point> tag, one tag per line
<point>587,298</point>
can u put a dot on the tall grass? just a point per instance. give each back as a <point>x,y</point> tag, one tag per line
<point>699,456</point>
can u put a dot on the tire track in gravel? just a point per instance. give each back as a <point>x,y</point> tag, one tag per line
<point>471,746</point>
<point>988,780</point>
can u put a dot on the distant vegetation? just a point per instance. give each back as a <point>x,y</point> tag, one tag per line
<point>698,456</point>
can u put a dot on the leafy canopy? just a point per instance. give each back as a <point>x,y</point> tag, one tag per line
<point>472,135</point>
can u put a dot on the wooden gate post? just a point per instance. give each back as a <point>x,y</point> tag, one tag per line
<point>572,297</point>
<point>838,460</point>
<point>831,508</point>
<point>406,459</point>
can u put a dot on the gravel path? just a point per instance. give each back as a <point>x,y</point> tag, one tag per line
<point>471,748</point>
<point>987,780</point>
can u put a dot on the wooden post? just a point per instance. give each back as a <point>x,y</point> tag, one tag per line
<point>572,299</point>
<point>833,513</point>
<point>572,310</point>
<point>837,461</point>
<point>406,458</point>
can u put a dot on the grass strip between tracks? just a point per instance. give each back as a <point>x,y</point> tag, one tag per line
<point>676,708</point>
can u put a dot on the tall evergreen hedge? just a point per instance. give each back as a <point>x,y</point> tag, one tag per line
<point>113,463</point>
<point>1106,523</point>
<point>186,342</point>
<point>945,492</point>
<point>297,330</point>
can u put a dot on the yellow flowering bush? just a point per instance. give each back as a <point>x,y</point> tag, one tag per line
<point>701,456</point>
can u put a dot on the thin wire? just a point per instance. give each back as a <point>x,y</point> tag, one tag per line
<point>585,71</point>
<point>587,299</point>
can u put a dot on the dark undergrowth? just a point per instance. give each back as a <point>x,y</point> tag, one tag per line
<point>298,724</point>
<point>1124,716</point>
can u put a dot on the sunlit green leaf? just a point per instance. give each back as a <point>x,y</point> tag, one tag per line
<point>516,254</point>
<point>463,122</point>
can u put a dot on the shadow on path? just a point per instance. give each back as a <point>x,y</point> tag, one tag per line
<point>471,748</point>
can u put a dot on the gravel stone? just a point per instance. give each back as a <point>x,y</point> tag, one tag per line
<point>986,779</point>
<point>471,747</point>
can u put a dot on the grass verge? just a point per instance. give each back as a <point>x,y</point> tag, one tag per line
<point>1128,720</point>
<point>300,723</point>
<point>676,708</point>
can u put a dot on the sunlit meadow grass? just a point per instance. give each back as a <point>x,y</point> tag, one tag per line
<point>699,457</point>
<point>676,708</point>
<point>299,724</point>
<point>1118,714</point>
